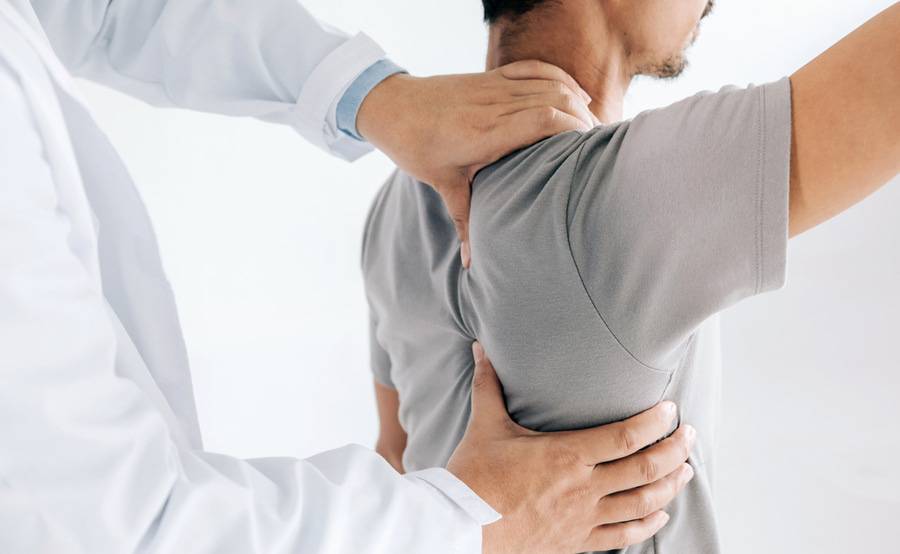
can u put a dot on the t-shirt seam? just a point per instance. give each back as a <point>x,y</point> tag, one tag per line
<point>581,278</point>
<point>760,196</point>
<point>383,382</point>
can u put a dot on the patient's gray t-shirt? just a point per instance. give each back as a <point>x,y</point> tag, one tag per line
<point>599,261</point>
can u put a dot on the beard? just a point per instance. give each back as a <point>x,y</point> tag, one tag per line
<point>672,66</point>
<point>668,68</point>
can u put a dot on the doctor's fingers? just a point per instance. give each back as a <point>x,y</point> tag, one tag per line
<point>643,501</point>
<point>525,127</point>
<point>615,441</point>
<point>621,535</point>
<point>562,102</point>
<point>646,466</point>
<point>457,200</point>
<point>526,72</point>
<point>542,88</point>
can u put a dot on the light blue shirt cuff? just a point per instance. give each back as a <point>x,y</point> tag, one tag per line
<point>348,106</point>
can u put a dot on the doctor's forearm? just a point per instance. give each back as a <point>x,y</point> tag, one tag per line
<point>269,59</point>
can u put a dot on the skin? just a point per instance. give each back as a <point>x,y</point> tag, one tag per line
<point>603,44</point>
<point>846,122</point>
<point>602,488</point>
<point>443,130</point>
<point>845,145</point>
<point>846,116</point>
<point>391,436</point>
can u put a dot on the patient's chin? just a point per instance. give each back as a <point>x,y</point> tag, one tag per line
<point>668,68</point>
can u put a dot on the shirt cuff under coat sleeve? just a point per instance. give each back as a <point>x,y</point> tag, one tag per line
<point>316,107</point>
<point>350,103</point>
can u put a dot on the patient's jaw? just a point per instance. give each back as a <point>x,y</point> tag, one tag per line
<point>603,44</point>
<point>656,33</point>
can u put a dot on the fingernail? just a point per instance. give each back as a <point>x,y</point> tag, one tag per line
<point>690,432</point>
<point>687,472</point>
<point>586,96</point>
<point>670,408</point>
<point>477,352</point>
<point>665,517</point>
<point>466,254</point>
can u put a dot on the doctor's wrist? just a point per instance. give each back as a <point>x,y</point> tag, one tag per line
<point>350,104</point>
<point>382,112</point>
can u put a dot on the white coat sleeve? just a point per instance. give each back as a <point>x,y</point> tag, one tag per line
<point>268,59</point>
<point>89,464</point>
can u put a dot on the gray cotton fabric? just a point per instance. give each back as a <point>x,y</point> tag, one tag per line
<point>600,261</point>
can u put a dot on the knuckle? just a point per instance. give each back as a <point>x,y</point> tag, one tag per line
<point>644,505</point>
<point>649,469</point>
<point>545,117</point>
<point>479,381</point>
<point>622,538</point>
<point>566,102</point>
<point>626,439</point>
<point>459,220</point>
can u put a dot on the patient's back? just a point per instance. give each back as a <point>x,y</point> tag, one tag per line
<point>598,261</point>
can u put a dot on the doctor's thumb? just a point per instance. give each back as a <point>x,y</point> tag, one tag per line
<point>457,197</point>
<point>488,404</point>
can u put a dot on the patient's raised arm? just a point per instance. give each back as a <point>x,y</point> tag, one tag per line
<point>846,122</point>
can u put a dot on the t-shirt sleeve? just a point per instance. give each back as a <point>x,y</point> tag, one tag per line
<point>682,212</point>
<point>379,359</point>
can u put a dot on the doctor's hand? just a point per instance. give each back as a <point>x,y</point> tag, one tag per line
<point>443,130</point>
<point>572,491</point>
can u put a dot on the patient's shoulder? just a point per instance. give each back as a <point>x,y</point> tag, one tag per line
<point>524,187</point>
<point>394,213</point>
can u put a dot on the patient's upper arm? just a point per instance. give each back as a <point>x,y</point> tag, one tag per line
<point>681,213</point>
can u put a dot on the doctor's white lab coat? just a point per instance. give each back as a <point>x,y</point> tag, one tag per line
<point>100,448</point>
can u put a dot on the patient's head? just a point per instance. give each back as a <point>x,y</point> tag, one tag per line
<point>630,37</point>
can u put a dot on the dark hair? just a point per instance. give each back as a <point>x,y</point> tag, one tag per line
<point>495,9</point>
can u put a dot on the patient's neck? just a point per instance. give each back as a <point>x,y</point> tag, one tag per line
<point>586,50</point>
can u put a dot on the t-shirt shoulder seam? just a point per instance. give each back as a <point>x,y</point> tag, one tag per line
<point>584,285</point>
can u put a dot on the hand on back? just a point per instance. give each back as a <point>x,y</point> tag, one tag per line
<point>572,491</point>
<point>443,130</point>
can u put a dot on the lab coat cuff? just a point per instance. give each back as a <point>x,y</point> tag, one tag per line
<point>459,493</point>
<point>316,106</point>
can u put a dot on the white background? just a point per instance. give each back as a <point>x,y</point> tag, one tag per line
<point>260,234</point>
